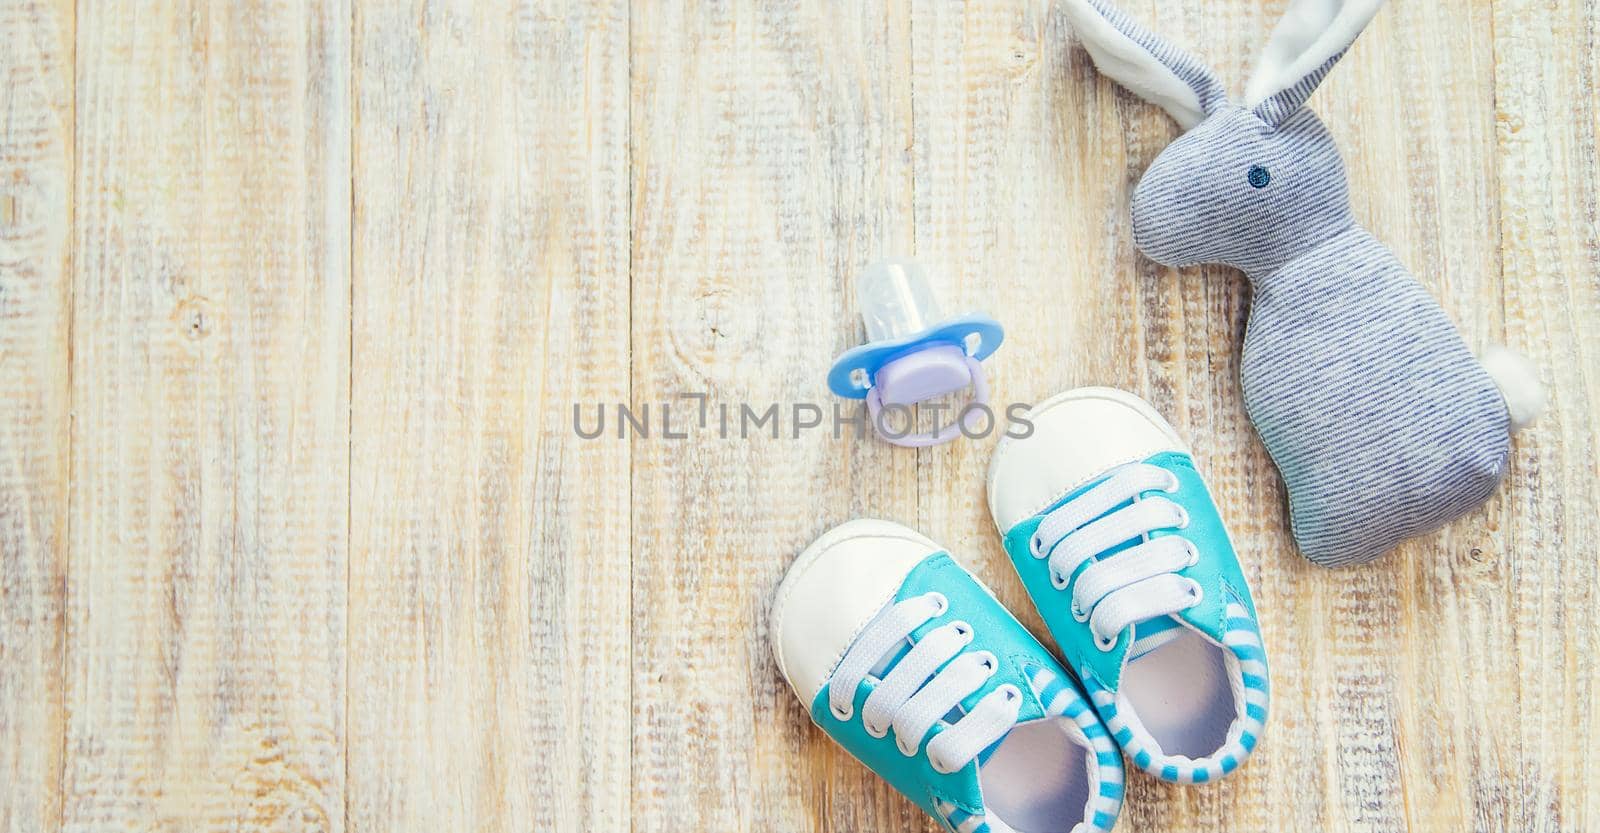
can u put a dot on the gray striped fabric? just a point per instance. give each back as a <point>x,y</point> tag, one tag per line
<point>1380,419</point>
<point>1382,422</point>
<point>1194,72</point>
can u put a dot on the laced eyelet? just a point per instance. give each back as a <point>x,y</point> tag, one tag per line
<point>1194,552</point>
<point>900,745</point>
<point>1105,645</point>
<point>939,766</point>
<point>1196,593</point>
<point>1078,614</point>
<point>877,733</point>
<point>963,629</point>
<point>847,713</point>
<point>1172,483</point>
<point>990,663</point>
<point>1057,580</point>
<point>1183,518</point>
<point>1036,546</point>
<point>1010,691</point>
<point>942,604</point>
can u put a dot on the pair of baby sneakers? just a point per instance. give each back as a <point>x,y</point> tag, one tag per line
<point>910,663</point>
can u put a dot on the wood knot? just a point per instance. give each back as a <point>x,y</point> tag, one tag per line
<point>1019,60</point>
<point>195,318</point>
<point>1482,566</point>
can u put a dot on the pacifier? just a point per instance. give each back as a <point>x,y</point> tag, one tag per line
<point>913,354</point>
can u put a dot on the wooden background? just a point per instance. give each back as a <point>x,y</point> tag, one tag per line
<point>296,301</point>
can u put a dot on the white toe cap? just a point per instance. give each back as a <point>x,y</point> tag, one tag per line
<point>1077,436</point>
<point>834,588</point>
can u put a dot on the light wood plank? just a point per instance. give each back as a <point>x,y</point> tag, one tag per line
<point>36,145</point>
<point>489,559</point>
<point>1545,689</point>
<point>205,590</point>
<point>770,158</point>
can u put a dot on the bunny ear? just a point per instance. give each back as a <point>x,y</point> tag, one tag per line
<point>1307,42</point>
<point>1156,70</point>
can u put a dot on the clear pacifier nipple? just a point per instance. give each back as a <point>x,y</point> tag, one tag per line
<point>895,300</point>
<point>913,353</point>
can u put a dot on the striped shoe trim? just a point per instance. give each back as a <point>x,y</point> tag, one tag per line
<point>960,820</point>
<point>1242,640</point>
<point>1060,698</point>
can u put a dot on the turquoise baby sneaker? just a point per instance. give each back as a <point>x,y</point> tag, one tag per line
<point>1122,550</point>
<point>907,660</point>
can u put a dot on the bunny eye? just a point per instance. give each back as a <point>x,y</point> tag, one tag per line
<point>1259,177</point>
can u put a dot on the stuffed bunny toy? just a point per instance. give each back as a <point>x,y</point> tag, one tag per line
<point>1382,423</point>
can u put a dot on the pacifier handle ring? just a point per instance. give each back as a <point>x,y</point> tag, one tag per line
<point>980,396</point>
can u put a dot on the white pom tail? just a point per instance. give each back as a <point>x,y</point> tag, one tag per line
<point>1518,381</point>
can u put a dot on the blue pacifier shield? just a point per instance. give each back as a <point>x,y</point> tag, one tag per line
<point>853,373</point>
<point>902,317</point>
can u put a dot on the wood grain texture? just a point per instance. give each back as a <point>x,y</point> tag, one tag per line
<point>296,302</point>
<point>205,584</point>
<point>36,143</point>
<point>770,160</point>
<point>489,614</point>
<point>1547,132</point>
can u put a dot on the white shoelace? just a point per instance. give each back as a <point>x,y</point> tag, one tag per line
<point>925,685</point>
<point>1132,585</point>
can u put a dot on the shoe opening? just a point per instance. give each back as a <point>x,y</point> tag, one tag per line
<point>1182,696</point>
<point>1038,780</point>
